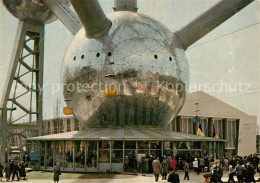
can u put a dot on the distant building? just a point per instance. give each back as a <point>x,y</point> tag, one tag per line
<point>236,127</point>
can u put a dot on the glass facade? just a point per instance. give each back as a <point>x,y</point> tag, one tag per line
<point>85,155</point>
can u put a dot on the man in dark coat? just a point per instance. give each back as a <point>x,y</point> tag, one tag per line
<point>239,172</point>
<point>11,167</point>
<point>22,170</point>
<point>57,173</point>
<point>7,172</point>
<point>250,172</point>
<point>15,171</point>
<point>173,177</point>
<point>1,172</point>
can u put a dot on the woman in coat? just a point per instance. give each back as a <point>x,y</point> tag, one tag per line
<point>164,169</point>
<point>57,173</point>
<point>157,168</point>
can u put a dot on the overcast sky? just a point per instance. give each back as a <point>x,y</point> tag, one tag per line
<point>231,60</point>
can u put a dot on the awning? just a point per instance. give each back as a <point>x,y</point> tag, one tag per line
<point>139,134</point>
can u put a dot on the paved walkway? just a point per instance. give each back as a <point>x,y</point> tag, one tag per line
<point>46,177</point>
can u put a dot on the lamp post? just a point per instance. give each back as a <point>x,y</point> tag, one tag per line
<point>4,132</point>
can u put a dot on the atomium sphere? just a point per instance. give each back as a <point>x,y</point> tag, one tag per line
<point>34,11</point>
<point>132,76</point>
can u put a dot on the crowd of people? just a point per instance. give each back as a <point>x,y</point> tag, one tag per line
<point>243,168</point>
<point>12,170</point>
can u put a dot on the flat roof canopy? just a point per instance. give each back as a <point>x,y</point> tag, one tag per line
<point>138,134</point>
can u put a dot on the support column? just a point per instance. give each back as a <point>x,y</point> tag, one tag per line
<point>173,143</point>
<point>162,149</point>
<point>201,149</point>
<point>63,154</point>
<point>110,155</point>
<point>97,154</point>
<point>3,136</point>
<point>73,152</point>
<point>208,151</point>
<point>28,53</point>
<point>149,148</point>
<point>214,149</point>
<point>53,153</point>
<point>136,150</point>
<point>45,154</point>
<point>85,154</point>
<point>123,152</point>
<point>72,122</point>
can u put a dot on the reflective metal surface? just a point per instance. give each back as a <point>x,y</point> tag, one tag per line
<point>137,57</point>
<point>31,10</point>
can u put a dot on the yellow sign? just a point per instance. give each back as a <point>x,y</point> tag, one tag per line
<point>111,91</point>
<point>67,111</point>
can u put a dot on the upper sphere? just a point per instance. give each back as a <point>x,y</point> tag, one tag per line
<point>138,60</point>
<point>34,11</point>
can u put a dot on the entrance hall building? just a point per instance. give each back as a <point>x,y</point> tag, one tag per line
<point>102,149</point>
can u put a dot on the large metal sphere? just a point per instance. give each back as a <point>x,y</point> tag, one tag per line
<point>34,11</point>
<point>137,59</point>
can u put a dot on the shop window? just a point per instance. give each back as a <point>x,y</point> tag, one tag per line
<point>59,146</point>
<point>79,154</point>
<point>156,148</point>
<point>91,154</point>
<point>104,152</point>
<point>167,148</point>
<point>50,146</point>
<point>231,134</point>
<point>68,162</point>
<point>42,153</point>
<point>130,145</point>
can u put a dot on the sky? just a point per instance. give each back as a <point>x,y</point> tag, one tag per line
<point>227,59</point>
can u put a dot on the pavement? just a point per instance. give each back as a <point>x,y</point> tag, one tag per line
<point>46,177</point>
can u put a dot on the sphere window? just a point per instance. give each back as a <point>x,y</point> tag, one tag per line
<point>109,54</point>
<point>82,56</point>
<point>155,56</point>
<point>170,58</point>
<point>98,55</point>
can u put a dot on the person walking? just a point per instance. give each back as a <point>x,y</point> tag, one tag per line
<point>239,172</point>
<point>15,172</point>
<point>186,170</point>
<point>231,177</point>
<point>11,167</point>
<point>173,177</point>
<point>226,162</point>
<point>196,166</point>
<point>250,172</point>
<point>7,172</point>
<point>141,166</point>
<point>157,168</point>
<point>22,170</point>
<point>164,169</point>
<point>207,177</point>
<point>57,173</point>
<point>202,164</point>
<point>174,164</point>
<point>1,172</point>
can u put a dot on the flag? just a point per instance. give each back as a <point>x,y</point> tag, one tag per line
<point>196,119</point>
<point>215,135</point>
<point>207,130</point>
<point>199,132</point>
